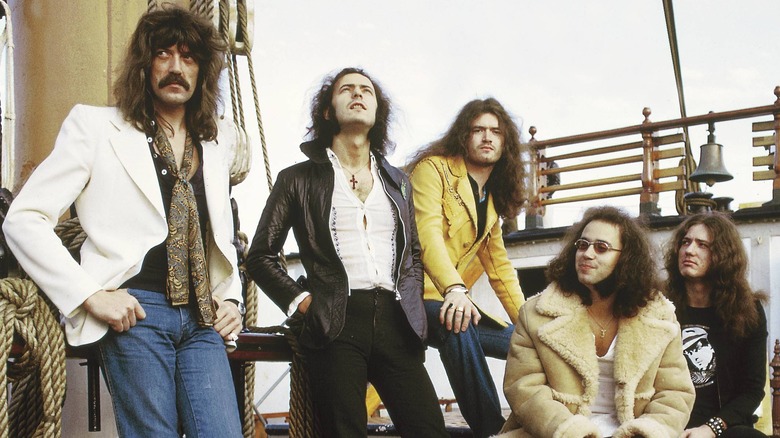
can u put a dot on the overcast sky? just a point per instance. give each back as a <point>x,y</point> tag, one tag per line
<point>566,67</point>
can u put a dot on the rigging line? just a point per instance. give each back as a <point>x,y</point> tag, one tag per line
<point>671,30</point>
<point>224,12</point>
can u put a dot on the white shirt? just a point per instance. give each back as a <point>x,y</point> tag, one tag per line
<point>363,233</point>
<point>603,411</point>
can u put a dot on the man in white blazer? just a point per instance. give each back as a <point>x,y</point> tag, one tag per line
<point>157,286</point>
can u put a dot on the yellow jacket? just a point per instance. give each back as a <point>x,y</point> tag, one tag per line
<point>452,253</point>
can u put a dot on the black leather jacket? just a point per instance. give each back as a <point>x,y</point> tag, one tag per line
<point>301,199</point>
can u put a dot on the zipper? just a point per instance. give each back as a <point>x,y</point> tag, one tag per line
<point>403,230</point>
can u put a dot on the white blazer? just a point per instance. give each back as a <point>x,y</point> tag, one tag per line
<point>103,164</point>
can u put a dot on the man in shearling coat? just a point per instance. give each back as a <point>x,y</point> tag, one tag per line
<point>598,353</point>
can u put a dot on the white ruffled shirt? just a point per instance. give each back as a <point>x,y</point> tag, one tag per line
<point>363,232</point>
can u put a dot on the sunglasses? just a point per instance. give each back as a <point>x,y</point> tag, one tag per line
<point>598,246</point>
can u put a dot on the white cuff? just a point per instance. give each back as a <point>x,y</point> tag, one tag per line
<point>294,305</point>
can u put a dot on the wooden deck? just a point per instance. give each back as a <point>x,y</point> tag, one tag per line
<point>383,426</point>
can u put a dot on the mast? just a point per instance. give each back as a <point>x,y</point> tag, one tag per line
<point>65,53</point>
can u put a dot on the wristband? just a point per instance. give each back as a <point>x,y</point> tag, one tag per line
<point>457,288</point>
<point>717,425</point>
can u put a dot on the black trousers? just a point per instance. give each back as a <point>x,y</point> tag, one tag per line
<point>377,345</point>
<point>742,432</point>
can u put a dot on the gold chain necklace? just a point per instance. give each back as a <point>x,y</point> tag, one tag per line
<point>354,180</point>
<point>602,328</point>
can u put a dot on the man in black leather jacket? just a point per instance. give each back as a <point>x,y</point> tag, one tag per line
<point>353,219</point>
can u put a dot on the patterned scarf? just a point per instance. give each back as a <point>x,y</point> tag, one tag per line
<point>186,257</point>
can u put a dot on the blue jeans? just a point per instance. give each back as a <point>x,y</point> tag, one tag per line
<point>168,373</point>
<point>464,358</point>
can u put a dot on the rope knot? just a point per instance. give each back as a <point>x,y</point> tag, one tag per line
<point>38,373</point>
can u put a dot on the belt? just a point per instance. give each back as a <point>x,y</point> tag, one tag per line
<point>373,289</point>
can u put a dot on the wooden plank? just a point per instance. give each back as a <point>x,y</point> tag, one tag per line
<point>665,173</point>
<point>763,175</point>
<point>669,139</point>
<point>595,151</point>
<point>768,140</point>
<point>594,165</point>
<point>262,347</point>
<point>588,197</point>
<point>669,153</point>
<point>763,126</point>
<point>667,187</point>
<point>593,183</point>
<point>767,160</point>
<point>659,141</point>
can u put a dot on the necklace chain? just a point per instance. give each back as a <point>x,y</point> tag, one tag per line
<point>353,181</point>
<point>603,329</point>
<point>359,169</point>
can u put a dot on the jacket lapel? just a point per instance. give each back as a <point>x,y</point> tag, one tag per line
<point>568,335</point>
<point>132,150</point>
<point>492,215</point>
<point>213,169</point>
<point>457,168</point>
<point>640,341</point>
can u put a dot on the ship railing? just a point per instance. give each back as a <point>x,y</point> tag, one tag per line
<point>651,158</point>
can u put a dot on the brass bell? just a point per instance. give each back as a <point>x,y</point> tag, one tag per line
<point>711,168</point>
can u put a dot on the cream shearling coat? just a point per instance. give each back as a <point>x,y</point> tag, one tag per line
<point>103,164</point>
<point>552,371</point>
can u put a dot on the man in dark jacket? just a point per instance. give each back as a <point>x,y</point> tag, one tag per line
<point>353,218</point>
<point>723,324</point>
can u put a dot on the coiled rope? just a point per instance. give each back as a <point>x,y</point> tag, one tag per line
<point>38,375</point>
<point>302,420</point>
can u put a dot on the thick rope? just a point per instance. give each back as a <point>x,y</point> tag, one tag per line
<point>204,8</point>
<point>242,19</point>
<point>38,375</point>
<point>72,235</point>
<point>302,420</point>
<point>250,302</point>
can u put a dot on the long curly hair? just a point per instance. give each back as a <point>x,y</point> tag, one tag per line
<point>508,174</point>
<point>732,296</point>
<point>323,130</point>
<point>634,280</point>
<point>163,28</point>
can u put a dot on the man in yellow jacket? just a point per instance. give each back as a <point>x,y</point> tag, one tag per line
<point>462,184</point>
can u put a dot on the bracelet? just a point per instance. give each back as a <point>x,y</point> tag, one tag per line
<point>717,425</point>
<point>457,288</point>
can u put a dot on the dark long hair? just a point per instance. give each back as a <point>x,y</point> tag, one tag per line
<point>163,28</point>
<point>732,296</point>
<point>323,129</point>
<point>634,279</point>
<point>508,174</point>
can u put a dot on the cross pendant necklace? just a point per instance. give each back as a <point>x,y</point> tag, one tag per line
<point>602,329</point>
<point>353,181</point>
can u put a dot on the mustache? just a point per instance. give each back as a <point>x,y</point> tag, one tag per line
<point>172,78</point>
